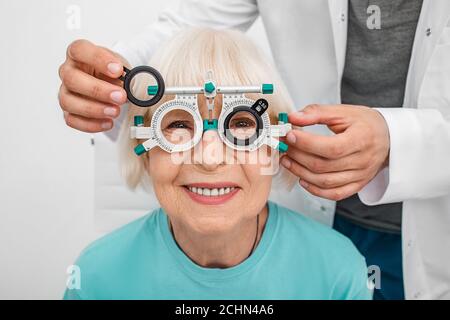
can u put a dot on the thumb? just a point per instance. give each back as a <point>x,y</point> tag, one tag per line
<point>333,116</point>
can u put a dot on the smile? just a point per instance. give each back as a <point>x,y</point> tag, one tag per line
<point>211,193</point>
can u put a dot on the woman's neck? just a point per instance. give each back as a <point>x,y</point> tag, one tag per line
<point>221,250</point>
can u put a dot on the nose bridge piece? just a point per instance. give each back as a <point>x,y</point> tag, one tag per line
<point>209,152</point>
<point>210,124</point>
<point>211,135</point>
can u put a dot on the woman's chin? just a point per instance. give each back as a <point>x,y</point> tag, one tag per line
<point>211,223</point>
<point>211,228</point>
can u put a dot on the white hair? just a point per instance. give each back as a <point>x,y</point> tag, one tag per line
<point>183,61</point>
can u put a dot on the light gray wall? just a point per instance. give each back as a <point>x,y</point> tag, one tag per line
<point>46,168</point>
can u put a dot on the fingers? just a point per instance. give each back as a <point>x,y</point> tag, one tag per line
<point>82,106</point>
<point>101,59</point>
<point>330,147</point>
<point>328,180</point>
<point>320,114</point>
<point>338,166</point>
<point>90,94</point>
<point>77,81</point>
<point>335,194</point>
<point>87,124</point>
<point>318,164</point>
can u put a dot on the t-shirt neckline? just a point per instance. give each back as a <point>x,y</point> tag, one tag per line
<point>218,274</point>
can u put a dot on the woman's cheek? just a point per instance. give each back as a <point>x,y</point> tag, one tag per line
<point>161,178</point>
<point>264,159</point>
<point>163,173</point>
<point>260,183</point>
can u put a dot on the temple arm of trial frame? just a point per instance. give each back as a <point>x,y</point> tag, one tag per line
<point>280,130</point>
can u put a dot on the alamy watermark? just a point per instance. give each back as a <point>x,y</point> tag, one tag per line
<point>373,277</point>
<point>74,279</point>
<point>73,21</point>
<point>374,20</point>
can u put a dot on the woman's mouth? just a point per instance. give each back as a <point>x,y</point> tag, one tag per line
<point>211,194</point>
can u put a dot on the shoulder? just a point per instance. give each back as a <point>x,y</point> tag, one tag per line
<point>110,256</point>
<point>333,255</point>
<point>117,243</point>
<point>121,238</point>
<point>311,232</point>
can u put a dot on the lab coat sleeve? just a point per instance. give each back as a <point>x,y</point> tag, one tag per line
<point>223,14</point>
<point>419,159</point>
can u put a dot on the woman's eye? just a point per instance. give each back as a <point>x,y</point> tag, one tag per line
<point>178,125</point>
<point>243,123</point>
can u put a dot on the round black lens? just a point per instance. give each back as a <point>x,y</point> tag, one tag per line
<point>144,86</point>
<point>242,126</point>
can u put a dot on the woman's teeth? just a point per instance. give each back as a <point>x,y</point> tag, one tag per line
<point>211,192</point>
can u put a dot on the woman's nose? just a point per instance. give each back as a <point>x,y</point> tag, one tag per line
<point>209,153</point>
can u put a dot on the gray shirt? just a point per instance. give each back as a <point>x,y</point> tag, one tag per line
<point>375,72</point>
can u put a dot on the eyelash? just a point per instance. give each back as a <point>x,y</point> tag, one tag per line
<point>174,124</point>
<point>244,120</point>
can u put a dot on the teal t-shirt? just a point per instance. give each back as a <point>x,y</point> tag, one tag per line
<point>296,258</point>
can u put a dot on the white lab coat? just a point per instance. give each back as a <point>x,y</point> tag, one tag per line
<point>308,42</point>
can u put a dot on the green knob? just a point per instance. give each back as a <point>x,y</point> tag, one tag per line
<point>267,88</point>
<point>282,147</point>
<point>283,117</point>
<point>138,121</point>
<point>152,90</point>
<point>140,149</point>
<point>210,87</point>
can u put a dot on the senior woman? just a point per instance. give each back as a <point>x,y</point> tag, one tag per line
<point>216,235</point>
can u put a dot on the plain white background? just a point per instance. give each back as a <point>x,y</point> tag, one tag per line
<point>46,168</point>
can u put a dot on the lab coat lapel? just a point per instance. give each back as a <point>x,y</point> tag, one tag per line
<point>339,17</point>
<point>433,18</point>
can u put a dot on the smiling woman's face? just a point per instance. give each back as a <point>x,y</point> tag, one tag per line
<point>233,186</point>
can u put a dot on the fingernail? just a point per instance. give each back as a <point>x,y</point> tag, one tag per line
<point>291,138</point>
<point>117,96</point>
<point>304,184</point>
<point>114,68</point>
<point>286,162</point>
<point>109,111</point>
<point>106,125</point>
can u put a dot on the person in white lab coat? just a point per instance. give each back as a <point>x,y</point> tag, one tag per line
<point>395,157</point>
